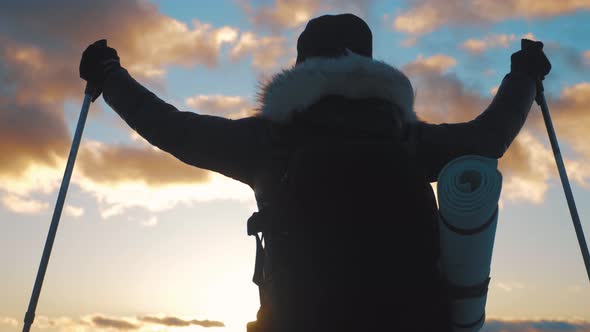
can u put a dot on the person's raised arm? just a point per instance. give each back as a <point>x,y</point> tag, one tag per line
<point>231,147</point>
<point>492,132</point>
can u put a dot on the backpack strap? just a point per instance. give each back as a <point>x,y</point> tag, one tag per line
<point>256,226</point>
<point>456,292</point>
<point>267,186</point>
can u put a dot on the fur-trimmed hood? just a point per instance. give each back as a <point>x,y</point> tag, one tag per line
<point>351,76</point>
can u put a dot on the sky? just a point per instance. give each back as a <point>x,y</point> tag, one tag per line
<point>147,243</point>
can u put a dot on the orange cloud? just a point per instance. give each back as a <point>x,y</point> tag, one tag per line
<point>282,14</point>
<point>111,164</point>
<point>477,46</point>
<point>439,63</point>
<point>418,20</point>
<point>526,167</point>
<point>30,133</point>
<point>571,117</point>
<point>289,14</point>
<point>142,35</point>
<point>125,177</point>
<point>424,16</point>
<point>441,97</point>
<point>117,324</point>
<point>171,42</point>
<point>40,75</point>
<point>266,51</point>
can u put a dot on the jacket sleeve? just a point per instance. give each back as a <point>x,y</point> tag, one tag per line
<point>231,147</point>
<point>488,135</point>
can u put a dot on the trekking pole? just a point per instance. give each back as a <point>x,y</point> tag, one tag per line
<point>30,315</point>
<point>540,99</point>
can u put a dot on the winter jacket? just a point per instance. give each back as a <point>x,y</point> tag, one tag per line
<point>350,95</point>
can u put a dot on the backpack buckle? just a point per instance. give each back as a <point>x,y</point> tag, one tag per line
<point>255,224</point>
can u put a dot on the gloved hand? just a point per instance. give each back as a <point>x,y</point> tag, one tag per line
<point>531,60</point>
<point>97,61</point>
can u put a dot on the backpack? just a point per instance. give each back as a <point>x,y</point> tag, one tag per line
<point>335,208</point>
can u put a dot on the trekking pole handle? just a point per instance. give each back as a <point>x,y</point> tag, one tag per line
<point>30,315</point>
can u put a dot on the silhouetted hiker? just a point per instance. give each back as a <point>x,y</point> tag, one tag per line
<point>340,166</point>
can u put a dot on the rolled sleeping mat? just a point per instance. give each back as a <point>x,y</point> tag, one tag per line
<point>468,191</point>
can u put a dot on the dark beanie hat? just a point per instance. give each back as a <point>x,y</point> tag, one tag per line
<point>331,35</point>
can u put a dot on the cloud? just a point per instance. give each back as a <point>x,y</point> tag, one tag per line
<point>61,323</point>
<point>29,133</point>
<point>40,53</point>
<point>73,211</point>
<point>174,42</point>
<point>115,198</point>
<point>111,164</point>
<point>9,321</point>
<point>478,46</point>
<point>494,325</point>
<point>34,179</point>
<point>440,96</point>
<point>418,20</point>
<point>509,286</point>
<point>175,321</point>
<point>289,14</point>
<point>526,167</point>
<point>22,205</point>
<point>265,51</point>
<point>282,13</point>
<point>115,323</point>
<point>424,16</point>
<point>438,63</point>
<point>232,107</point>
<point>150,323</point>
<point>102,322</point>
<point>571,117</point>
<point>145,38</point>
